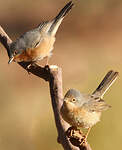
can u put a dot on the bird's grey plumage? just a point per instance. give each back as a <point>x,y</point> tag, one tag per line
<point>28,40</point>
<point>33,38</point>
<point>84,110</point>
<point>73,92</point>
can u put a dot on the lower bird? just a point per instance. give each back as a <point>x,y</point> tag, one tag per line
<point>84,110</point>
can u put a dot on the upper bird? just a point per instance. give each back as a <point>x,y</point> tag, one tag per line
<point>38,43</point>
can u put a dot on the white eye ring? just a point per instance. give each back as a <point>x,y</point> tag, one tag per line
<point>73,100</point>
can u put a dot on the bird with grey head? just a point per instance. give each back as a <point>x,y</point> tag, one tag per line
<point>84,110</point>
<point>38,43</point>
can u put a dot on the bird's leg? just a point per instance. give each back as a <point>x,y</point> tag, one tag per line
<point>29,66</point>
<point>87,133</point>
<point>85,137</point>
<point>47,61</point>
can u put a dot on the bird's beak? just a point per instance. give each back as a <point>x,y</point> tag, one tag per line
<point>11,59</point>
<point>65,100</point>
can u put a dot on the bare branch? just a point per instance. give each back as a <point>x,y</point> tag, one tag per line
<point>53,75</point>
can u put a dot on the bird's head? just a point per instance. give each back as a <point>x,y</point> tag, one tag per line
<point>73,97</point>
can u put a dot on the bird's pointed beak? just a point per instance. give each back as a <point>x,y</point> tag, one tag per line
<point>65,100</point>
<point>11,59</point>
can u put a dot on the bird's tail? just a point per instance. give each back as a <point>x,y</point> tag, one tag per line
<point>58,19</point>
<point>108,80</point>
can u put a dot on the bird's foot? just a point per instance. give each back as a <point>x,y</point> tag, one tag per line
<point>84,140</point>
<point>75,136</point>
<point>85,137</point>
<point>28,68</point>
<point>70,131</point>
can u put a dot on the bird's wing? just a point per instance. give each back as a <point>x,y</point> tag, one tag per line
<point>28,40</point>
<point>96,104</point>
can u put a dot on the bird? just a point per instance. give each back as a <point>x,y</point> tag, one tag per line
<point>37,43</point>
<point>84,110</point>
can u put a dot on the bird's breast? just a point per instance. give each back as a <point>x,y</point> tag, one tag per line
<point>79,116</point>
<point>34,54</point>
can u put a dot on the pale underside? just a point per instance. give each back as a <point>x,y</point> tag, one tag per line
<point>80,117</point>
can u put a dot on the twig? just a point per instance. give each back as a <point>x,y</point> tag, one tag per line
<point>53,75</point>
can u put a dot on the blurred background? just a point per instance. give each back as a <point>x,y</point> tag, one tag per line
<point>88,45</point>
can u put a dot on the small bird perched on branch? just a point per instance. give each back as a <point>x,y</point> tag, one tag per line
<point>84,110</point>
<point>38,43</point>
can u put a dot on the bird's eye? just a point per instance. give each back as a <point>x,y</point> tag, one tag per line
<point>73,100</point>
<point>15,52</point>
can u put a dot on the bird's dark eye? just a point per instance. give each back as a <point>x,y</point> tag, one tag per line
<point>15,52</point>
<point>73,100</point>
